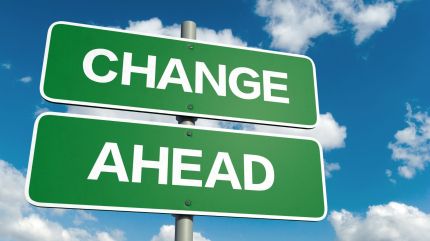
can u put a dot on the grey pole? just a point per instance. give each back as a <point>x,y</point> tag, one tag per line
<point>184,223</point>
<point>184,228</point>
<point>188,30</point>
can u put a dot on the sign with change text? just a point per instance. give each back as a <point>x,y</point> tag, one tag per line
<point>113,68</point>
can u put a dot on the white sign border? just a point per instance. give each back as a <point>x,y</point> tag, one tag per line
<point>167,211</point>
<point>123,107</point>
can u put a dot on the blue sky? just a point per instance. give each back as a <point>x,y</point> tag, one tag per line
<point>372,70</point>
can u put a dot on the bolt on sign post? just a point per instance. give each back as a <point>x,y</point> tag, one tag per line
<point>112,68</point>
<point>146,167</point>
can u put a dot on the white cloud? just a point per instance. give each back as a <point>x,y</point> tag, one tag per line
<point>121,114</point>
<point>155,26</point>
<point>389,175</point>
<point>81,216</point>
<point>391,222</point>
<point>40,110</point>
<point>6,66</point>
<point>12,200</point>
<point>412,144</point>
<point>388,172</point>
<point>114,235</point>
<point>131,115</point>
<point>293,24</point>
<point>58,211</point>
<point>167,233</point>
<point>20,222</point>
<point>210,123</point>
<point>366,19</point>
<point>328,132</point>
<point>26,79</point>
<point>331,167</point>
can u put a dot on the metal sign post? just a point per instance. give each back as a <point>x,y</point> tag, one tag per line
<point>285,181</point>
<point>184,223</point>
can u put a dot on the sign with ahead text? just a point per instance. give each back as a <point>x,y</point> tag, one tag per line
<point>161,168</point>
<point>112,68</point>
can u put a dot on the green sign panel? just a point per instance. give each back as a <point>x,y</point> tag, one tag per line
<point>112,68</point>
<point>145,167</point>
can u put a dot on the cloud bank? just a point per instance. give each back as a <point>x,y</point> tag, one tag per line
<point>6,66</point>
<point>294,24</point>
<point>411,147</point>
<point>391,222</point>
<point>21,222</point>
<point>26,79</point>
<point>167,233</point>
<point>155,26</point>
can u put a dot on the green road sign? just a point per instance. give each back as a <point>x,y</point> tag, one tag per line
<point>112,68</point>
<point>146,167</point>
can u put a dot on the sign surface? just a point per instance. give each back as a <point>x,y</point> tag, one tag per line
<point>161,168</point>
<point>112,68</point>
